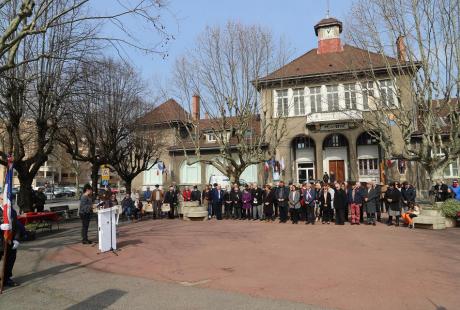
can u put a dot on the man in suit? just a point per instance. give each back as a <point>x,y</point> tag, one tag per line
<point>371,199</point>
<point>217,198</point>
<point>282,197</point>
<point>309,197</point>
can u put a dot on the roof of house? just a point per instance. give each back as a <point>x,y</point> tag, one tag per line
<point>312,64</point>
<point>167,112</point>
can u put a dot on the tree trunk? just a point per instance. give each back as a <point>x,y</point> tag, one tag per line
<point>128,183</point>
<point>25,195</point>
<point>94,178</point>
<point>77,185</point>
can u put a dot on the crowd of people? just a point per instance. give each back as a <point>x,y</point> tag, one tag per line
<point>321,202</point>
<point>311,203</point>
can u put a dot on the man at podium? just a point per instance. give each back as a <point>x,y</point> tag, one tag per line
<point>85,211</point>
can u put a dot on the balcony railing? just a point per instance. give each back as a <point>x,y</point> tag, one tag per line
<point>328,117</point>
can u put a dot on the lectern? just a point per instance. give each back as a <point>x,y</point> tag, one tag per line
<point>107,229</point>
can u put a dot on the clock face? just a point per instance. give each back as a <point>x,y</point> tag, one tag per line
<point>329,32</point>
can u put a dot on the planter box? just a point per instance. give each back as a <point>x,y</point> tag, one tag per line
<point>451,222</point>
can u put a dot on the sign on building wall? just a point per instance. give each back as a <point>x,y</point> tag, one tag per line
<point>338,126</point>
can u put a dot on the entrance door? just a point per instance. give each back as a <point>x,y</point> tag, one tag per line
<point>305,172</point>
<point>338,166</point>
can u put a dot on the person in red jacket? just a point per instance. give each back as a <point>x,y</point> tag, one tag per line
<point>187,194</point>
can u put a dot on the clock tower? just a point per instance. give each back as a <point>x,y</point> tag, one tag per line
<point>328,31</point>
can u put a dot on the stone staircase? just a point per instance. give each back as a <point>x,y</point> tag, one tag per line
<point>431,218</point>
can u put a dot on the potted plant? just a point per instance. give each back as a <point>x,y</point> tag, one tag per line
<point>450,209</point>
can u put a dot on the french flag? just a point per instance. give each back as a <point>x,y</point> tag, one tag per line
<point>7,198</point>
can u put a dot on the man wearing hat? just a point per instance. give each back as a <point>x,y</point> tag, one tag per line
<point>157,198</point>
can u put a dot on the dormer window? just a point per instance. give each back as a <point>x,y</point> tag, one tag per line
<point>211,137</point>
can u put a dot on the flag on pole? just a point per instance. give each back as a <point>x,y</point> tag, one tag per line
<point>7,198</point>
<point>282,164</point>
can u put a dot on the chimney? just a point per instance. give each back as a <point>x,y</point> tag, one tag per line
<point>206,115</point>
<point>401,48</point>
<point>196,107</point>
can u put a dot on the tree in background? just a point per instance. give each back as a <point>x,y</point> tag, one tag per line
<point>424,77</point>
<point>34,95</point>
<point>139,152</point>
<point>224,69</point>
<point>102,114</point>
<point>41,48</point>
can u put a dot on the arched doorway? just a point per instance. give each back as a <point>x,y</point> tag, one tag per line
<point>335,157</point>
<point>303,150</point>
<point>368,152</point>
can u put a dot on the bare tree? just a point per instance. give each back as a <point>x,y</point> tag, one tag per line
<point>417,101</point>
<point>22,19</point>
<point>33,97</point>
<point>102,114</point>
<point>224,69</point>
<point>140,152</point>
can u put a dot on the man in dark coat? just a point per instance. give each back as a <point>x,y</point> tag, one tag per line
<point>326,177</point>
<point>236,196</point>
<point>371,199</point>
<point>392,198</point>
<point>217,198</point>
<point>441,191</point>
<point>12,245</point>
<point>309,197</point>
<point>282,197</point>
<point>39,200</point>
<point>85,211</point>
<point>195,195</point>
<point>171,198</point>
<point>340,201</point>
<point>408,195</point>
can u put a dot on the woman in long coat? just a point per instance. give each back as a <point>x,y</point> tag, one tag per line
<point>267,200</point>
<point>247,203</point>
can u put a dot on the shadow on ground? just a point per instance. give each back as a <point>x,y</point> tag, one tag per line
<point>101,300</point>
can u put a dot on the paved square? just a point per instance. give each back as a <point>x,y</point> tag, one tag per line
<point>344,267</point>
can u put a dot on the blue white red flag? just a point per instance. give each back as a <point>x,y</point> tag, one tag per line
<point>7,199</point>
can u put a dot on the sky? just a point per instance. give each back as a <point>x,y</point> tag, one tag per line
<point>186,19</point>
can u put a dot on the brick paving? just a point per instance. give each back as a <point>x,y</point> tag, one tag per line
<point>343,267</point>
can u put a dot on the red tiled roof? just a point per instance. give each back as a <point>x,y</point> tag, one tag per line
<point>312,64</point>
<point>169,111</point>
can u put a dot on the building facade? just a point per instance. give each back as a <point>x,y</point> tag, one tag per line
<point>325,95</point>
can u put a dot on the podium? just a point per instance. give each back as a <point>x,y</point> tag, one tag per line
<point>107,232</point>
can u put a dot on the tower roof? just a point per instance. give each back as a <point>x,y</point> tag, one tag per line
<point>330,21</point>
